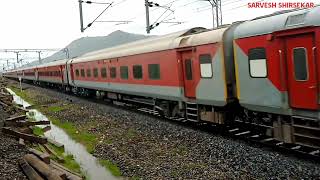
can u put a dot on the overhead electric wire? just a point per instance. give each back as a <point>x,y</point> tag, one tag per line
<point>116,4</point>
<point>241,6</point>
<point>161,15</point>
<point>98,16</point>
<point>232,2</point>
<point>237,7</point>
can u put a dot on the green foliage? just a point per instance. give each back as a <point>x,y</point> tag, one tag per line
<point>114,169</point>
<point>38,131</point>
<point>83,137</point>
<point>69,161</point>
<point>22,94</point>
<point>56,108</point>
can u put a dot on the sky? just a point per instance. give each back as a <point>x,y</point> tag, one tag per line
<point>55,23</point>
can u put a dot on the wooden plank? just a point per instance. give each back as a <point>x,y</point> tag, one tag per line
<point>51,151</point>
<point>47,128</point>
<point>26,123</point>
<point>57,144</point>
<point>41,167</point>
<point>26,130</point>
<point>70,174</point>
<point>29,171</point>
<point>43,149</point>
<point>60,174</point>
<point>43,156</point>
<point>17,118</point>
<point>31,138</point>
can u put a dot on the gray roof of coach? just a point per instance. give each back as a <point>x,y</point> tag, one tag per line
<point>151,41</point>
<point>276,22</point>
<point>53,63</point>
<point>187,38</point>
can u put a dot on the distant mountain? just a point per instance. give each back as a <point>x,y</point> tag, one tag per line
<point>87,44</point>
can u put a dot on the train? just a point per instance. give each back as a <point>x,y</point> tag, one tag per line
<point>264,72</point>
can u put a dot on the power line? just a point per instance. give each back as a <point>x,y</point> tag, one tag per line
<point>90,24</point>
<point>167,8</point>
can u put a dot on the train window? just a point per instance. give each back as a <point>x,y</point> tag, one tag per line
<point>95,72</point>
<point>205,66</point>
<point>103,72</point>
<point>258,63</point>
<point>113,72</point>
<point>82,73</point>
<point>188,68</point>
<point>154,71</point>
<point>124,72</point>
<point>300,64</point>
<point>137,71</point>
<point>88,72</point>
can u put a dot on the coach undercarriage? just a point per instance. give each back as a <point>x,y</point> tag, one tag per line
<point>287,129</point>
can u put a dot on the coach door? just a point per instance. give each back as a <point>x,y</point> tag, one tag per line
<point>302,76</point>
<point>188,65</point>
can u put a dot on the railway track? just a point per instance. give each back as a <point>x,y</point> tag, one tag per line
<point>241,131</point>
<point>245,132</point>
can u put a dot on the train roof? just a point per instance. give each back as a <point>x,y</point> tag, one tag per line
<point>53,63</point>
<point>279,21</point>
<point>190,37</point>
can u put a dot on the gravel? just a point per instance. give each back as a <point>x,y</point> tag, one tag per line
<point>150,148</point>
<point>10,153</point>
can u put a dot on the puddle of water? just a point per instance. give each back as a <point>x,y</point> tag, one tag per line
<point>88,163</point>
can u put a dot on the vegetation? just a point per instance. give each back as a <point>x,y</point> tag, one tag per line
<point>22,94</point>
<point>114,169</point>
<point>80,135</point>
<point>55,108</point>
<point>38,131</point>
<point>69,161</point>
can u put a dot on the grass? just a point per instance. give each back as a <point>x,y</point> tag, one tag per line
<point>131,133</point>
<point>81,136</point>
<point>22,94</point>
<point>56,108</point>
<point>38,131</point>
<point>69,161</point>
<point>114,169</point>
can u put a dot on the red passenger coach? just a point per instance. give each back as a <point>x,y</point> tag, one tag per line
<point>29,74</point>
<point>51,72</point>
<point>278,76</point>
<point>171,72</point>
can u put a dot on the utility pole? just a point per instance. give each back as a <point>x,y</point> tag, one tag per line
<point>17,53</point>
<point>216,12</point>
<point>81,15</point>
<point>147,16</point>
<point>39,56</point>
<point>66,50</point>
<point>149,4</point>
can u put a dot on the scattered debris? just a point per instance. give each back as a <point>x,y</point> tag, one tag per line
<point>36,165</point>
<point>24,136</point>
